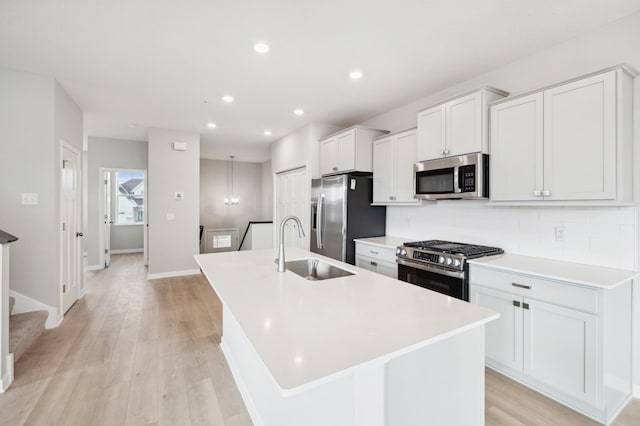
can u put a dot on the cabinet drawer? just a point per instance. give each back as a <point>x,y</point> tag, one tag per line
<point>376,265</point>
<point>386,254</point>
<point>555,292</point>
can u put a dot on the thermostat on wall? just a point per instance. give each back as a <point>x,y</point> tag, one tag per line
<point>179,146</point>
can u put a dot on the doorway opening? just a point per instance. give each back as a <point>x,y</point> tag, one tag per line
<point>123,212</point>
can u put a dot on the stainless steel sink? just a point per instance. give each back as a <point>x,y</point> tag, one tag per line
<point>316,270</point>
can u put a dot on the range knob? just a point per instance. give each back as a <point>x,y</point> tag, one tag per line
<point>441,259</point>
<point>456,262</point>
<point>398,251</point>
<point>403,252</point>
<point>448,261</point>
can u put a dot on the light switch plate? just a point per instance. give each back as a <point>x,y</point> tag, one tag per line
<point>29,199</point>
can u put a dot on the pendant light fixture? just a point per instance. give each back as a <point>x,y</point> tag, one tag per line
<point>233,201</point>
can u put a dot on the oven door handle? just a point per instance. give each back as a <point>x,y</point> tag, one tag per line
<point>455,274</point>
<point>456,180</point>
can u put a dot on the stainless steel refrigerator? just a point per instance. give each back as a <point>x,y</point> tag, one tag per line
<point>341,210</point>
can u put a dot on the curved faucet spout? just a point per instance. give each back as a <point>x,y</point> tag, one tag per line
<point>281,261</point>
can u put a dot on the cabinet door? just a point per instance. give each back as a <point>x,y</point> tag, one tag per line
<point>580,139</point>
<point>560,348</point>
<point>516,149</point>
<point>464,125</point>
<point>329,156</point>
<point>431,133</point>
<point>383,170</point>
<point>347,151</point>
<point>406,154</point>
<point>503,337</point>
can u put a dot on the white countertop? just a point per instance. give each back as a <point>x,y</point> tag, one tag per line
<point>579,273</point>
<point>386,241</point>
<point>306,332</point>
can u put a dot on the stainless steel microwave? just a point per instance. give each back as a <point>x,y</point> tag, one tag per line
<point>462,176</point>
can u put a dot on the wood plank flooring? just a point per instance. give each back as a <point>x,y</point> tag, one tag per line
<point>138,352</point>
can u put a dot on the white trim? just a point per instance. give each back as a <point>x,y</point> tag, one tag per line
<point>123,251</point>
<point>242,388</point>
<point>94,267</point>
<point>6,381</point>
<point>27,304</point>
<point>173,274</point>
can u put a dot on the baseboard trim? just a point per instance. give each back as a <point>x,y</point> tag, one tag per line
<point>7,379</point>
<point>94,267</point>
<point>27,304</point>
<point>124,251</point>
<point>173,274</point>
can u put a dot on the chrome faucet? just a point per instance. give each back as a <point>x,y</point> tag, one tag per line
<point>281,265</point>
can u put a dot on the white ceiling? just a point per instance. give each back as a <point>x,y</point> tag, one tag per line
<point>155,62</point>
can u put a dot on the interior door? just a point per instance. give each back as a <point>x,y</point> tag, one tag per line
<point>292,198</point>
<point>71,225</point>
<point>334,216</point>
<point>108,219</point>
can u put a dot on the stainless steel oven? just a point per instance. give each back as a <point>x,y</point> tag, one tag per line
<point>451,283</point>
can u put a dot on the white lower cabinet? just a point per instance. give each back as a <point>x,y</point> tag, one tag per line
<point>376,258</point>
<point>570,342</point>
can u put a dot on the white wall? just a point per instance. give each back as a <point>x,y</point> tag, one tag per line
<point>215,178</point>
<point>173,243</point>
<point>35,113</point>
<point>267,191</point>
<point>116,154</point>
<point>601,236</point>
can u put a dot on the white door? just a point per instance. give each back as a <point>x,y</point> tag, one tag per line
<point>516,149</point>
<point>406,153</point>
<point>71,227</point>
<point>431,133</point>
<point>503,337</point>
<point>464,125</point>
<point>292,198</point>
<point>108,219</point>
<point>383,170</point>
<point>347,151</point>
<point>329,156</point>
<point>580,139</point>
<point>560,348</point>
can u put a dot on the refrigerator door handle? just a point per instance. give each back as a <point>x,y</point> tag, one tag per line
<point>319,222</point>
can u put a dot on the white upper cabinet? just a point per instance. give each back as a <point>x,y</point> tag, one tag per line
<point>348,150</point>
<point>393,158</point>
<point>567,144</point>
<point>456,127</point>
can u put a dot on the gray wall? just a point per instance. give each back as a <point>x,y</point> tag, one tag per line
<point>35,113</point>
<point>116,154</point>
<point>215,178</point>
<point>173,243</point>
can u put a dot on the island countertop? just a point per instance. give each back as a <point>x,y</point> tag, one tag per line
<point>307,332</point>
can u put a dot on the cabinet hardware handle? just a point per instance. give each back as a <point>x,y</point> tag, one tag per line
<point>442,151</point>
<point>528,287</point>
<point>335,169</point>
<point>373,252</point>
<point>546,193</point>
<point>525,305</point>
<point>537,193</point>
<point>516,303</point>
<point>446,151</point>
<point>374,264</point>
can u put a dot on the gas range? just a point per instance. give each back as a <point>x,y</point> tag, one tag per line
<point>447,254</point>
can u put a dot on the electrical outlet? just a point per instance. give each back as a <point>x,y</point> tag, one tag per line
<point>561,233</point>
<point>29,199</point>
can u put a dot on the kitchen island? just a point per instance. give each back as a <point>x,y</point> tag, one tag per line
<point>362,349</point>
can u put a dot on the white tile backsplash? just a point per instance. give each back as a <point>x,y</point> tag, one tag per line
<point>602,236</point>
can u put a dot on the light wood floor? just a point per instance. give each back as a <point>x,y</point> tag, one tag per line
<point>143,352</point>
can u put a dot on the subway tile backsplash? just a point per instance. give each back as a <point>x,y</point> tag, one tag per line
<point>602,236</point>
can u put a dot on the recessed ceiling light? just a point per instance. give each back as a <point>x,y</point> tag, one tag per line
<point>228,98</point>
<point>131,125</point>
<point>267,133</point>
<point>355,75</point>
<point>261,47</point>
<point>211,125</point>
<point>298,111</point>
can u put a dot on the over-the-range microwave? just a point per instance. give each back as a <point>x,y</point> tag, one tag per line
<point>462,176</point>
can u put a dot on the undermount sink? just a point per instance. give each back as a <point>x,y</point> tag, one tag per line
<point>316,270</point>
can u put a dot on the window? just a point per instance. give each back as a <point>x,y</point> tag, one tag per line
<point>129,203</point>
